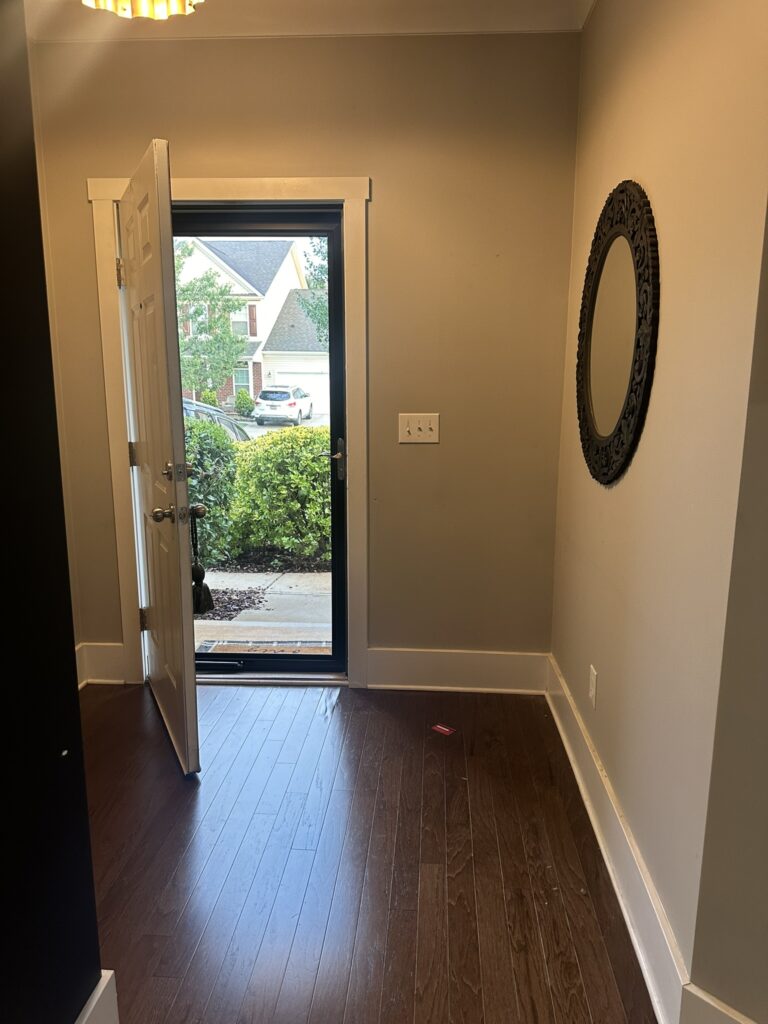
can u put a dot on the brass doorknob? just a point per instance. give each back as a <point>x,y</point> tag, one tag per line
<point>189,469</point>
<point>198,511</point>
<point>159,514</point>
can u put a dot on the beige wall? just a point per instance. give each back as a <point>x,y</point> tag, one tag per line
<point>731,945</point>
<point>674,96</point>
<point>469,142</point>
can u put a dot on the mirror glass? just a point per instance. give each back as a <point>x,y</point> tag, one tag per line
<point>612,341</point>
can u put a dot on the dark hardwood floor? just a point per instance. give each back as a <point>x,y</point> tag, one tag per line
<point>337,862</point>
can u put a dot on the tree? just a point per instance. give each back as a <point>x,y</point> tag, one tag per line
<point>315,305</point>
<point>208,347</point>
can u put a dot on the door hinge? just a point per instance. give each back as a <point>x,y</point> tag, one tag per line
<point>133,459</point>
<point>143,619</point>
<point>119,271</point>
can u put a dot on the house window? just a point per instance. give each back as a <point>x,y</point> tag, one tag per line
<point>239,322</point>
<point>241,379</point>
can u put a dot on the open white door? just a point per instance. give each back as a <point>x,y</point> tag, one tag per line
<point>157,432</point>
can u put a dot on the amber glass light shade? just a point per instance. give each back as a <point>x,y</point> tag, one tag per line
<point>158,10</point>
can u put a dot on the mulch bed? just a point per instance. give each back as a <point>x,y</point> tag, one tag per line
<point>229,603</point>
<point>272,560</point>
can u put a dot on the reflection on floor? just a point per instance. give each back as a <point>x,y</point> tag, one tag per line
<point>339,861</point>
<point>294,618</point>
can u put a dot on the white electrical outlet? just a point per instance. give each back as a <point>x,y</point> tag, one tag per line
<point>418,427</point>
<point>592,684</point>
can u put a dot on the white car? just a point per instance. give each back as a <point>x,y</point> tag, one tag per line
<point>281,404</point>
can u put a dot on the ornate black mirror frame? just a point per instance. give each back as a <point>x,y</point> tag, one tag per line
<point>627,212</point>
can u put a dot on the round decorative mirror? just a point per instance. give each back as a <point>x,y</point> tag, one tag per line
<point>618,326</point>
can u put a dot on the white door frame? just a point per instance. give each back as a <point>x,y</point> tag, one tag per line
<point>354,195</point>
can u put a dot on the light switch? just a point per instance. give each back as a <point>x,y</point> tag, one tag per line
<point>419,427</point>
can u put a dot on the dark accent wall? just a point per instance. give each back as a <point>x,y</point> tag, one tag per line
<point>50,963</point>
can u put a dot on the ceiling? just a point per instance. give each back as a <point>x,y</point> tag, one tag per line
<point>69,20</point>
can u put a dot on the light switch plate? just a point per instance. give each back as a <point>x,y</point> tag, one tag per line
<point>418,427</point>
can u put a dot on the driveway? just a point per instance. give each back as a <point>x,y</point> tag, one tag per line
<point>251,427</point>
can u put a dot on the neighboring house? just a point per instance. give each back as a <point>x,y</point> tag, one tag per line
<point>293,354</point>
<point>262,271</point>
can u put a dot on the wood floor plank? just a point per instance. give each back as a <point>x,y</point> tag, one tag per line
<point>398,995</point>
<point>205,962</point>
<point>500,1003</point>
<point>297,734</point>
<point>431,976</point>
<point>332,979</point>
<point>602,993</point>
<point>150,1003</point>
<point>534,999</point>
<point>267,975</point>
<point>633,992</point>
<point>343,746</point>
<point>367,970</point>
<point>255,874</point>
<point>328,724</point>
<point>216,705</point>
<point>200,865</point>
<point>194,892</point>
<point>295,997</point>
<point>349,762</point>
<point>405,873</point>
<point>241,948</point>
<point>399,985</point>
<point>283,720</point>
<point>465,991</point>
<point>566,986</point>
<point>217,734</point>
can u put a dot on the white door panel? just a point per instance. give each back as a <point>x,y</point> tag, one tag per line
<point>157,430</point>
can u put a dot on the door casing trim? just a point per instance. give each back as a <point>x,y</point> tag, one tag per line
<point>354,195</point>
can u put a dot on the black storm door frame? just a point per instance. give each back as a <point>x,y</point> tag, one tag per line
<point>265,219</point>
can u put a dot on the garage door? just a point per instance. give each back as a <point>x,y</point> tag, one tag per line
<point>315,384</point>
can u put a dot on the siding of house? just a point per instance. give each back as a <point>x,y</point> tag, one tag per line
<point>308,370</point>
<point>269,307</point>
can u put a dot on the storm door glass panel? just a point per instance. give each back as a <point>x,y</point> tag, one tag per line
<point>273,540</point>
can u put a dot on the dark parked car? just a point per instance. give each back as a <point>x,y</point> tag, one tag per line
<point>200,411</point>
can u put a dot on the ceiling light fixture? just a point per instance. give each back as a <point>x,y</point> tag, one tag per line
<point>158,10</point>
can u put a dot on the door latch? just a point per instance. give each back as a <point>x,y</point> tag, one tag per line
<point>159,514</point>
<point>182,470</point>
<point>339,457</point>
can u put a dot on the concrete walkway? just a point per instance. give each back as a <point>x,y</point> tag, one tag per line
<point>298,607</point>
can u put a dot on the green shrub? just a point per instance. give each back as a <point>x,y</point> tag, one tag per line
<point>212,482</point>
<point>209,396</point>
<point>283,493</point>
<point>243,403</point>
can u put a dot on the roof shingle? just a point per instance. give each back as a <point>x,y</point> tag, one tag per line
<point>256,260</point>
<point>293,330</point>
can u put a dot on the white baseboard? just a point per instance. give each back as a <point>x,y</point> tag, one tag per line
<point>654,941</point>
<point>101,663</point>
<point>699,1007</point>
<point>404,668</point>
<point>101,1008</point>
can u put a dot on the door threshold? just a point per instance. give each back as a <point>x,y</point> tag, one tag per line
<point>273,679</point>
